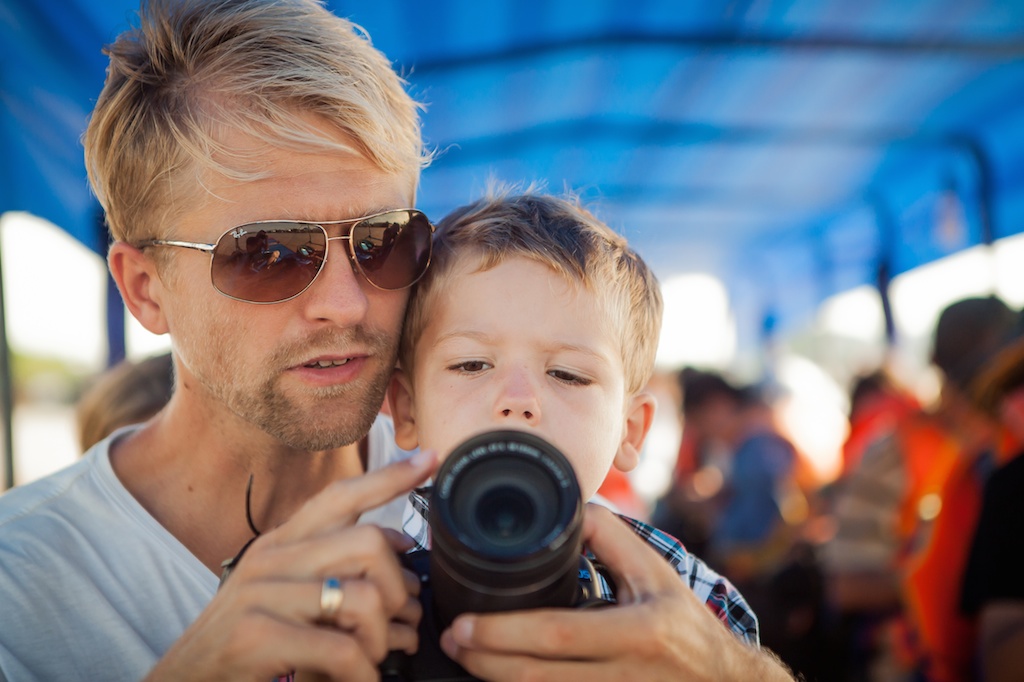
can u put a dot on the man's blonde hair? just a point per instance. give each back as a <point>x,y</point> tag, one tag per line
<point>195,68</point>
<point>561,234</point>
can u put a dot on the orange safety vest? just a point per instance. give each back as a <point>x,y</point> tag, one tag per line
<point>944,639</point>
<point>930,453</point>
<point>878,416</point>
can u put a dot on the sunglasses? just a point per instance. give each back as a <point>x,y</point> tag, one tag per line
<point>273,261</point>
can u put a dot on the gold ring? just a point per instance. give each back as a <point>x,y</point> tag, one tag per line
<point>331,596</point>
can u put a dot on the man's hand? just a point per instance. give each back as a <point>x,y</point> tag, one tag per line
<point>658,630</point>
<point>266,619</point>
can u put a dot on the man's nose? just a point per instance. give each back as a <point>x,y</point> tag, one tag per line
<point>339,292</point>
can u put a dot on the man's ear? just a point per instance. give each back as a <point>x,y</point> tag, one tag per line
<point>403,410</point>
<point>639,417</point>
<point>139,285</point>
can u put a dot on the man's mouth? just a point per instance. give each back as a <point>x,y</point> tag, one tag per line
<point>324,364</point>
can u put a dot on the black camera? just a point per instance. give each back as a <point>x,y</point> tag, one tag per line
<point>506,526</point>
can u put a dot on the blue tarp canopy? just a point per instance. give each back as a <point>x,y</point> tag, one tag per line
<point>792,149</point>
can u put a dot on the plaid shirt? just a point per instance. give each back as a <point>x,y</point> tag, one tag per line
<point>717,593</point>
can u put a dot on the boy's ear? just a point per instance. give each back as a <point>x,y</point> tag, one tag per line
<point>139,284</point>
<point>639,417</point>
<point>403,410</point>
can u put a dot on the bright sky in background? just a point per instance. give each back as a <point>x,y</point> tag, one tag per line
<point>697,328</point>
<point>56,304</point>
<point>55,308</point>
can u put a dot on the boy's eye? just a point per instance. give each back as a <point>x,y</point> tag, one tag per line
<point>569,377</point>
<point>470,366</point>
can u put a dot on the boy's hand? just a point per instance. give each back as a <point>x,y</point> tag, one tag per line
<point>658,630</point>
<point>266,620</point>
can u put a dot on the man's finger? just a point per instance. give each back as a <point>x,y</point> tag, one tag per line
<point>400,542</point>
<point>355,552</point>
<point>498,667</point>
<point>341,503</point>
<point>403,637</point>
<point>547,633</point>
<point>637,569</point>
<point>334,653</point>
<point>358,612</point>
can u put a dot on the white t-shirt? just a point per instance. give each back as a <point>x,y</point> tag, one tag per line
<point>91,586</point>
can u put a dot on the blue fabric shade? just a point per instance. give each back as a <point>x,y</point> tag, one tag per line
<point>790,149</point>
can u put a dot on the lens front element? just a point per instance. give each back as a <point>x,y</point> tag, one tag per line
<point>506,522</point>
<point>506,515</point>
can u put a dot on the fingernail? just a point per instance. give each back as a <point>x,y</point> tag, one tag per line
<point>462,630</point>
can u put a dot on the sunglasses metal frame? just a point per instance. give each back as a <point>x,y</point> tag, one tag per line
<point>211,249</point>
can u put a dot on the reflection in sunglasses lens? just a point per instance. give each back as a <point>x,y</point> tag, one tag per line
<point>392,250</point>
<point>278,261</point>
<point>269,265</point>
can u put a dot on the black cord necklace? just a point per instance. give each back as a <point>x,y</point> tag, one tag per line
<point>228,565</point>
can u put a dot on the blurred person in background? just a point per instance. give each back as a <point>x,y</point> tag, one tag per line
<point>903,511</point>
<point>877,405</point>
<point>993,588</point>
<point>128,393</point>
<point>738,494</point>
<point>863,593</point>
<point>942,638</point>
<point>735,426</point>
<point>687,508</point>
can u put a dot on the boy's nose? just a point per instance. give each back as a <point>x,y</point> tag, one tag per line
<point>509,412</point>
<point>518,398</point>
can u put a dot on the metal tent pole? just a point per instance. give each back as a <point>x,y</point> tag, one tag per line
<point>116,349</point>
<point>6,389</point>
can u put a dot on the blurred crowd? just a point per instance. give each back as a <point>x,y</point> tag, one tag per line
<point>905,568</point>
<point>908,566</point>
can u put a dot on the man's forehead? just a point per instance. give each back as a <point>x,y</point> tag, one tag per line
<point>312,189</point>
<point>241,147</point>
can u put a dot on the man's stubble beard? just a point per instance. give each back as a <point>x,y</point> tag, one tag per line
<point>288,421</point>
<point>321,419</point>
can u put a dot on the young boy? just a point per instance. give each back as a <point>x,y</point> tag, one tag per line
<point>536,316</point>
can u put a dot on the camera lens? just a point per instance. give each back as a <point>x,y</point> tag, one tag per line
<point>502,505</point>
<point>506,523</point>
<point>506,515</point>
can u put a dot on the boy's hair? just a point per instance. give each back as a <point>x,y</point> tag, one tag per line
<point>195,68</point>
<point>561,234</point>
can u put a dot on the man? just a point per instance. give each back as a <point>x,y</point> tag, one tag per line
<point>221,121</point>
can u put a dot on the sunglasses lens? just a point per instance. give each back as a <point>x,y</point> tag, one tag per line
<point>269,264</point>
<point>392,250</point>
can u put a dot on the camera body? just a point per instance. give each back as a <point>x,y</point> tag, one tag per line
<point>506,527</point>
